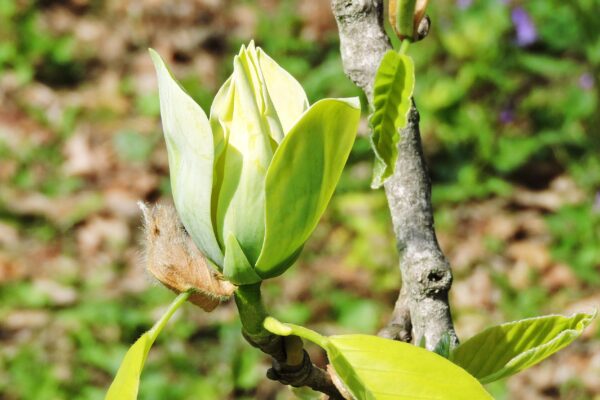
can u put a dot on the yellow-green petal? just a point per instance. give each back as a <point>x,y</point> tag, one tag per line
<point>246,158</point>
<point>285,92</point>
<point>191,151</point>
<point>220,122</point>
<point>302,177</point>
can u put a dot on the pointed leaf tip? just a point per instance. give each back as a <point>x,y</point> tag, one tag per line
<point>506,349</point>
<point>153,54</point>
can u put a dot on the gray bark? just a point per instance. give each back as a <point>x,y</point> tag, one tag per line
<point>422,311</point>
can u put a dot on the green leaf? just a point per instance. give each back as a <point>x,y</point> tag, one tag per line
<point>506,349</point>
<point>127,381</point>
<point>302,178</point>
<point>394,84</point>
<point>190,149</point>
<point>373,368</point>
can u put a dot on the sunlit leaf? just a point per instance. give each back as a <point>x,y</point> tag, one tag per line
<point>127,381</point>
<point>302,177</point>
<point>373,368</point>
<point>394,84</point>
<point>506,349</point>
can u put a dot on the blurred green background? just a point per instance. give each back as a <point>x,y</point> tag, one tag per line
<point>509,96</point>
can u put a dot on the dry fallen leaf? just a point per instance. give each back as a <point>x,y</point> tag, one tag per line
<point>562,191</point>
<point>532,252</point>
<point>476,291</point>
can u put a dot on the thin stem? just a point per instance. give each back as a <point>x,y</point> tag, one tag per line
<point>404,46</point>
<point>160,324</point>
<point>252,310</point>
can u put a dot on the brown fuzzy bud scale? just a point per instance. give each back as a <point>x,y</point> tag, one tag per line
<point>174,260</point>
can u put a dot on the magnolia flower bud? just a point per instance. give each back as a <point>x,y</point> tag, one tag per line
<point>408,19</point>
<point>251,183</point>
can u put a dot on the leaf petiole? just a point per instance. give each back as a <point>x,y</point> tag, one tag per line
<point>404,46</point>
<point>283,329</point>
<point>174,306</point>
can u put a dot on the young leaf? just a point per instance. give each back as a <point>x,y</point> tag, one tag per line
<point>373,368</point>
<point>506,349</point>
<point>127,381</point>
<point>394,84</point>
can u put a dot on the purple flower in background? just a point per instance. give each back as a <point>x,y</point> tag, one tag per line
<point>526,32</point>
<point>507,116</point>
<point>462,4</point>
<point>586,81</point>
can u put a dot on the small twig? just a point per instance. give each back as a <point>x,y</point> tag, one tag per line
<point>422,310</point>
<point>291,363</point>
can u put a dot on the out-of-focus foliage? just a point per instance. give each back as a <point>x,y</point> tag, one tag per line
<point>504,112</point>
<point>30,52</point>
<point>509,97</point>
<point>575,231</point>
